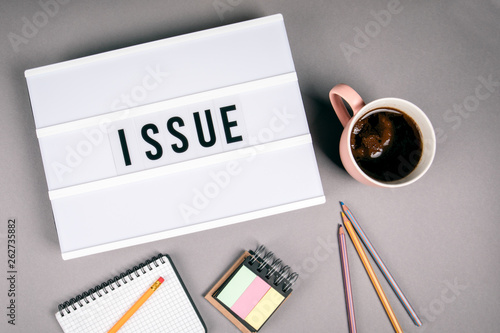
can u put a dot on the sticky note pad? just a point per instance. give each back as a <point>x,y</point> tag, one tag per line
<point>264,309</point>
<point>236,286</point>
<point>252,290</point>
<point>250,297</point>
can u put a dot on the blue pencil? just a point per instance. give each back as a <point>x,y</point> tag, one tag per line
<point>382,266</point>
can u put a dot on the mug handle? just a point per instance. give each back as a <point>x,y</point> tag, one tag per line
<point>343,91</point>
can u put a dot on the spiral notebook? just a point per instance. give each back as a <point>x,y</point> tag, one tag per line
<point>169,309</point>
<point>252,289</point>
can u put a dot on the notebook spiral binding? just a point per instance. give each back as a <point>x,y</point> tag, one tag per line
<point>111,284</point>
<point>282,273</point>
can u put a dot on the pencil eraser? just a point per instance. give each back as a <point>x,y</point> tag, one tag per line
<point>161,279</point>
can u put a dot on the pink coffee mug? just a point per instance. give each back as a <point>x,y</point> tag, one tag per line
<point>360,109</point>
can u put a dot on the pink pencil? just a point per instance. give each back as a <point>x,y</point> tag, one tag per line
<point>347,281</point>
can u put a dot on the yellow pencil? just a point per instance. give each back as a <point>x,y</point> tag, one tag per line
<point>136,306</point>
<point>371,274</point>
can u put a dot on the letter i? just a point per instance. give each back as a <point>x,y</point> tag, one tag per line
<point>123,143</point>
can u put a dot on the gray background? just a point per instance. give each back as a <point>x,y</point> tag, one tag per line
<point>438,236</point>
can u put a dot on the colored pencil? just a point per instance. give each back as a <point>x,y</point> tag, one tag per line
<point>392,282</point>
<point>347,281</point>
<point>136,306</point>
<point>371,274</point>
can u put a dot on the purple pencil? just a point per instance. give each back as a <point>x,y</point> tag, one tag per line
<point>347,280</point>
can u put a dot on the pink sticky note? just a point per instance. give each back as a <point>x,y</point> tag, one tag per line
<point>250,297</point>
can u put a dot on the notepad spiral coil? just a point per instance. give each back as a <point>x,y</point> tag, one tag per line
<point>99,290</point>
<point>266,265</point>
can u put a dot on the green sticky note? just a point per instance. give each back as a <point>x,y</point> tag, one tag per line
<point>236,286</point>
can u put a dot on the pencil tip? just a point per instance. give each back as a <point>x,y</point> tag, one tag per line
<point>344,207</point>
<point>344,217</point>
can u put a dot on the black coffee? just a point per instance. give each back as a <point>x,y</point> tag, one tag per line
<point>386,144</point>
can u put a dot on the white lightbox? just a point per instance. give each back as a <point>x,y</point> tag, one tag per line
<point>173,136</point>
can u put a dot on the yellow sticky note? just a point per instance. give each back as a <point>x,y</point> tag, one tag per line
<point>264,309</point>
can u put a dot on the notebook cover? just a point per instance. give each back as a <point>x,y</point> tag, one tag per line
<point>106,303</point>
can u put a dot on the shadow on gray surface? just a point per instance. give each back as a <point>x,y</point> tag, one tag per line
<point>325,128</point>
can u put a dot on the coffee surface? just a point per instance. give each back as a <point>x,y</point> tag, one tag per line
<point>386,144</point>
